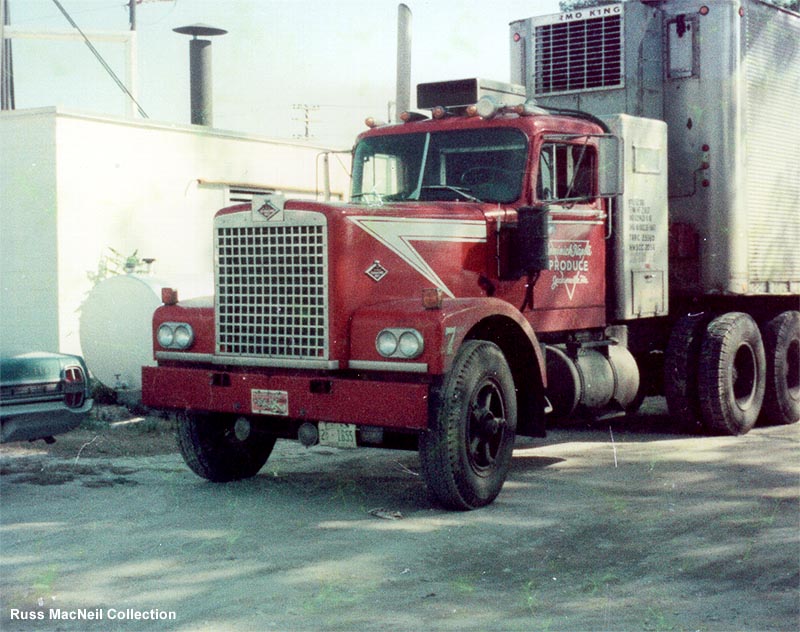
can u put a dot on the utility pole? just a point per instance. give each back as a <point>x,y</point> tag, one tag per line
<point>6,61</point>
<point>307,109</point>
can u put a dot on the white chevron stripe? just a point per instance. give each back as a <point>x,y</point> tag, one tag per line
<point>398,233</point>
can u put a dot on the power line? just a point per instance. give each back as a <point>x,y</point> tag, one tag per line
<point>100,59</point>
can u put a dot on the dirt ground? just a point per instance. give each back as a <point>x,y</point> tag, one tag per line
<point>617,527</point>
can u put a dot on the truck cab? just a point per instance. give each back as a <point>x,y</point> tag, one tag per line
<point>427,312</point>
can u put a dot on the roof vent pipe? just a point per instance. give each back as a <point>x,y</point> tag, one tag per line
<point>403,95</point>
<point>200,71</point>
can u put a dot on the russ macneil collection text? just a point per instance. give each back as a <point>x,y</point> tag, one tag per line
<point>93,614</point>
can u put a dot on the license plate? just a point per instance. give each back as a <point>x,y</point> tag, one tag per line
<point>337,435</point>
<point>264,402</point>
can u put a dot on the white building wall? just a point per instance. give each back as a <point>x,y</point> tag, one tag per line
<point>28,236</point>
<point>75,185</point>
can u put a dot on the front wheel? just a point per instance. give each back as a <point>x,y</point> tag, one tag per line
<point>466,453</point>
<point>222,448</point>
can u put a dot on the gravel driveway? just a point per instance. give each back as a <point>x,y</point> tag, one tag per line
<point>618,527</point>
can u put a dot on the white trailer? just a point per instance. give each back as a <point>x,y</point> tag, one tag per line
<point>724,75</point>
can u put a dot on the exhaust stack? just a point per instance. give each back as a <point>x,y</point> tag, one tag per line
<point>200,71</point>
<point>403,90</point>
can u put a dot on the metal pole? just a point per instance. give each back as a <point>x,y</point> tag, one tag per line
<point>403,99</point>
<point>200,79</point>
<point>3,54</point>
<point>326,165</point>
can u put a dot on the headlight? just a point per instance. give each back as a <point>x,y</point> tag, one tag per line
<point>386,343</point>
<point>399,343</point>
<point>175,335</point>
<point>410,344</point>
<point>183,336</point>
<point>166,335</point>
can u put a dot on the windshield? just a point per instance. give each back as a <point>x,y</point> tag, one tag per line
<point>484,165</point>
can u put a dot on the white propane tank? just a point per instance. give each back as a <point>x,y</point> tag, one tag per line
<point>116,324</point>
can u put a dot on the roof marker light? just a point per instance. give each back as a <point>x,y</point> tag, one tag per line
<point>529,108</point>
<point>487,107</point>
<point>411,117</point>
<point>703,10</point>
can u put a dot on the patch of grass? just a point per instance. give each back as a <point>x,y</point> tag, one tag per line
<point>532,603</point>
<point>594,585</point>
<point>44,582</point>
<point>463,585</point>
<point>331,596</point>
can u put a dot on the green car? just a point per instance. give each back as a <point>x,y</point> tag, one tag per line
<point>42,395</point>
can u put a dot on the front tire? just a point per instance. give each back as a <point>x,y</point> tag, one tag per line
<point>466,453</point>
<point>782,348</point>
<point>215,449</point>
<point>732,375</point>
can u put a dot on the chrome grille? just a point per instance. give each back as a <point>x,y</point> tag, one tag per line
<point>578,55</point>
<point>272,291</point>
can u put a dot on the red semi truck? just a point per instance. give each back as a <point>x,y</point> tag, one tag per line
<point>502,259</point>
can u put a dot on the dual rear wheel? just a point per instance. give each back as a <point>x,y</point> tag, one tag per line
<point>723,374</point>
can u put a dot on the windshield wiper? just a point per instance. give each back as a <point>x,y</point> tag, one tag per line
<point>373,197</point>
<point>447,187</point>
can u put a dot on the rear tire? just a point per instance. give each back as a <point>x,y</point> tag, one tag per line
<point>732,374</point>
<point>782,348</point>
<point>466,453</point>
<point>211,448</point>
<point>681,360</point>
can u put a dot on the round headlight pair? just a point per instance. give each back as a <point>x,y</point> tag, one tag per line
<point>175,335</point>
<point>399,343</point>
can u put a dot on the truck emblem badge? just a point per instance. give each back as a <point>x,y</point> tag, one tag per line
<point>268,209</point>
<point>376,271</point>
<point>269,206</point>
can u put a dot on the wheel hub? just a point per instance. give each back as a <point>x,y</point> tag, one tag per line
<point>486,428</point>
<point>744,376</point>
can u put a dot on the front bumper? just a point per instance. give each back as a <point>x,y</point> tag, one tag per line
<point>398,405</point>
<point>27,422</point>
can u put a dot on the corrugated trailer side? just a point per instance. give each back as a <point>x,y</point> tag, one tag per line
<point>731,87</point>
<point>771,78</point>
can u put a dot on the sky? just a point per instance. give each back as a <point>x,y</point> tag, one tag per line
<point>278,54</point>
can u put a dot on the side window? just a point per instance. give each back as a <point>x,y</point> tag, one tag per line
<point>382,173</point>
<point>566,172</point>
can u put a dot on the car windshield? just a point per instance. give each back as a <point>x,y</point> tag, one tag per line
<point>483,165</point>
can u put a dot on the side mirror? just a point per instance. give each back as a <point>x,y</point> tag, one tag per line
<point>523,248</point>
<point>610,177</point>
